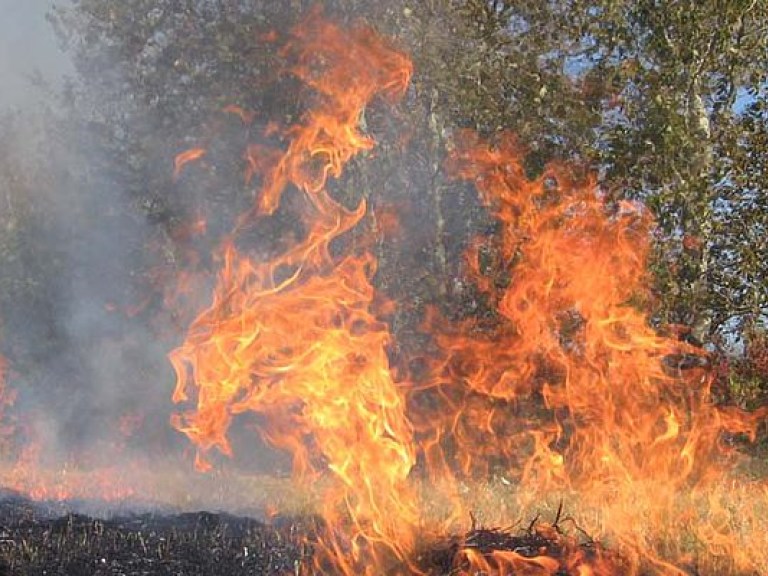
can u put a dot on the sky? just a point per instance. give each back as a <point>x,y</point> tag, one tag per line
<point>27,44</point>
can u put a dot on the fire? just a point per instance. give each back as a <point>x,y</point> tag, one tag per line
<point>21,469</point>
<point>563,389</point>
<point>567,389</point>
<point>28,468</point>
<point>184,158</point>
<point>623,418</point>
<point>28,475</point>
<point>294,338</point>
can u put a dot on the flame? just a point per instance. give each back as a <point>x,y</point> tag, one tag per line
<point>564,387</point>
<point>294,338</point>
<point>21,452</point>
<point>601,406</point>
<point>27,469</point>
<point>184,158</point>
<point>29,476</point>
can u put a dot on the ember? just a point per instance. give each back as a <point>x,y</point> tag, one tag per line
<point>185,158</point>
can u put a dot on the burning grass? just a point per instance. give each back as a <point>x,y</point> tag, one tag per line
<point>551,538</point>
<point>712,534</point>
<point>540,549</point>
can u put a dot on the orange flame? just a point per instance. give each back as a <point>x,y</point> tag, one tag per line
<point>622,424</point>
<point>294,338</point>
<point>567,388</point>
<point>184,158</point>
<point>29,476</point>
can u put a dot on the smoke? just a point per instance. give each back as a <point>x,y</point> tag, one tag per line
<point>29,52</point>
<point>75,248</point>
<point>92,382</point>
<point>94,234</point>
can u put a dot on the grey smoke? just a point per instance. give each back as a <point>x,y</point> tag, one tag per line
<point>80,362</point>
<point>28,50</point>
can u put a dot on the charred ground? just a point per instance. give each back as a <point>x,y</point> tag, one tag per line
<point>35,539</point>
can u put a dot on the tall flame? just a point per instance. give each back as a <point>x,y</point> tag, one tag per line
<point>625,417</point>
<point>293,338</point>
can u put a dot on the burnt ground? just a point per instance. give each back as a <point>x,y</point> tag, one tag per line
<point>47,540</point>
<point>42,540</point>
<point>39,539</point>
